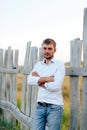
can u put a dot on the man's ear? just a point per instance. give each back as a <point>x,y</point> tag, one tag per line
<point>55,50</point>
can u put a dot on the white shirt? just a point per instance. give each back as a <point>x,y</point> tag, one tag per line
<point>53,92</point>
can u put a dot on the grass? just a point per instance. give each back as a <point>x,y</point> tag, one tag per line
<point>65,119</point>
<point>66,96</point>
<point>9,126</point>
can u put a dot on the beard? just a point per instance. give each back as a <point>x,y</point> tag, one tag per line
<point>48,58</point>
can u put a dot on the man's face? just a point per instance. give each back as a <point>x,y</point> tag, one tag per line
<point>48,51</point>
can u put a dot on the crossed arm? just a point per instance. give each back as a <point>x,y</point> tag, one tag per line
<point>43,80</point>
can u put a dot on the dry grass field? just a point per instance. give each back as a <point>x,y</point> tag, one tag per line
<point>19,86</point>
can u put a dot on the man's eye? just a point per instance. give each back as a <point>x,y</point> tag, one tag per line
<point>49,48</point>
<point>45,48</point>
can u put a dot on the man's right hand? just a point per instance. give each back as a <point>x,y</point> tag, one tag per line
<point>50,79</point>
<point>43,80</point>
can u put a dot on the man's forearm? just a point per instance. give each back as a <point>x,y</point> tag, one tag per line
<point>43,80</point>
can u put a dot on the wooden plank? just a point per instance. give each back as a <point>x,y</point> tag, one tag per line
<point>76,71</point>
<point>29,88</point>
<point>9,81</point>
<point>34,57</point>
<point>40,54</point>
<point>24,83</point>
<point>71,71</point>
<point>75,57</point>
<point>14,83</point>
<point>10,71</point>
<point>10,76</point>
<point>26,68</point>
<point>15,64</point>
<point>83,125</point>
<point>4,84</point>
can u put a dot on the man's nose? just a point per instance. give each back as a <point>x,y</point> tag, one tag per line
<point>47,50</point>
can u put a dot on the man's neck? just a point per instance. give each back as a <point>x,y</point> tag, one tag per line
<point>46,61</point>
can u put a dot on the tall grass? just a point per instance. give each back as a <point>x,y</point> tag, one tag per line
<point>65,119</point>
<point>66,97</point>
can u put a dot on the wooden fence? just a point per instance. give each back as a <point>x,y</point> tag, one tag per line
<point>8,83</point>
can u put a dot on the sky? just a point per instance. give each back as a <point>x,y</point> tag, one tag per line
<point>22,21</point>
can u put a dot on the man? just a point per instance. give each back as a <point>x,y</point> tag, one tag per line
<point>48,74</point>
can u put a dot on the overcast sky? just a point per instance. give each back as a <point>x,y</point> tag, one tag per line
<point>34,20</point>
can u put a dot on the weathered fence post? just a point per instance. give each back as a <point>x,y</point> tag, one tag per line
<point>84,86</point>
<point>7,86</point>
<point>4,83</point>
<point>34,59</point>
<point>24,82</point>
<point>40,54</point>
<point>75,60</point>
<point>14,83</point>
<point>31,90</point>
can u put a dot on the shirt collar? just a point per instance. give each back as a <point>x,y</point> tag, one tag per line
<point>52,60</point>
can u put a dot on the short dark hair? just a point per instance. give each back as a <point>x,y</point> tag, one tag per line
<point>49,41</point>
